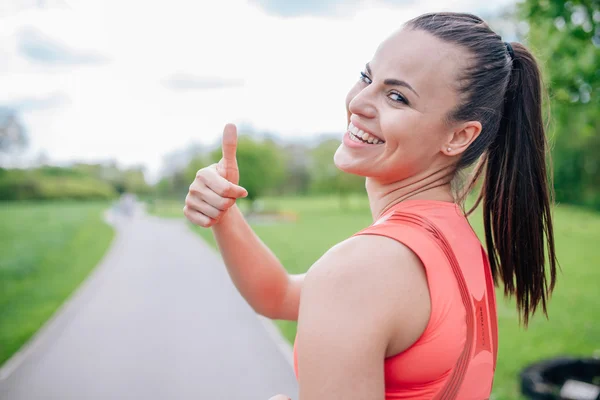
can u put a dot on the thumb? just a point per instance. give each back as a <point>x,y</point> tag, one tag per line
<point>228,163</point>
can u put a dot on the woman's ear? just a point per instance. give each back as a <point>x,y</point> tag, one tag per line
<point>462,137</point>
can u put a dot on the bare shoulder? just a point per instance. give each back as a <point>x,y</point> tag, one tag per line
<point>361,251</point>
<point>380,280</point>
<point>367,261</point>
<point>364,300</point>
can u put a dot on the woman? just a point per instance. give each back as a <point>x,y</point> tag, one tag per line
<point>405,308</point>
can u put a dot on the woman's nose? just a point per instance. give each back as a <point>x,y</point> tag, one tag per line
<point>361,103</point>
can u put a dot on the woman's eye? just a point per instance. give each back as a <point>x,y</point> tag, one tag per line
<point>365,78</point>
<point>398,98</point>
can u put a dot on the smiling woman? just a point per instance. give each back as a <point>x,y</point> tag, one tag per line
<point>405,308</point>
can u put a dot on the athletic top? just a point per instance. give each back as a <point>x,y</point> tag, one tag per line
<point>455,357</point>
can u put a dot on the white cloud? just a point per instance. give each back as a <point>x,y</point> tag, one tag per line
<point>295,72</point>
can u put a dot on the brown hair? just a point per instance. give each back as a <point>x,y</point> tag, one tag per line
<point>501,87</point>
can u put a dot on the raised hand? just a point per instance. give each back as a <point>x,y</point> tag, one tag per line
<point>215,188</point>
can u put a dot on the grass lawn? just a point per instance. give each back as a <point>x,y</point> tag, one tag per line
<point>46,251</point>
<point>573,327</point>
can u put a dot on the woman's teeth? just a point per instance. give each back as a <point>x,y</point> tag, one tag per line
<point>358,135</point>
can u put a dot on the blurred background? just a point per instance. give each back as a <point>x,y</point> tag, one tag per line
<point>104,98</point>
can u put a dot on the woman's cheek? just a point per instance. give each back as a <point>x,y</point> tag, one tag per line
<point>399,126</point>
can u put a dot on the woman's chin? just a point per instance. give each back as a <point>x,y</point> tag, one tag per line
<point>346,163</point>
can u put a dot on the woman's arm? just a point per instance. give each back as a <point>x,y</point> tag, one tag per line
<point>255,270</point>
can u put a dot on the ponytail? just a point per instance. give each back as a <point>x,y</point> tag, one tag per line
<point>501,87</point>
<point>516,196</point>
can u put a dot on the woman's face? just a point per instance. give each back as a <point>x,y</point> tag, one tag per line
<point>401,101</point>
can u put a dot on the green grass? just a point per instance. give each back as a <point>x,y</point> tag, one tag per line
<point>573,327</point>
<point>46,251</point>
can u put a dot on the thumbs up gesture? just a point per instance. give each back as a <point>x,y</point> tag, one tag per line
<point>227,166</point>
<point>215,188</point>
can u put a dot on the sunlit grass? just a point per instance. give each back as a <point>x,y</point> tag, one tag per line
<point>46,251</point>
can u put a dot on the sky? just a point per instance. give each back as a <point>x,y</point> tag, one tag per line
<point>133,80</point>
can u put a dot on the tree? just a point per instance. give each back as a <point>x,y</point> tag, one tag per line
<point>198,162</point>
<point>327,178</point>
<point>566,37</point>
<point>297,160</point>
<point>261,166</point>
<point>131,180</point>
<point>134,181</point>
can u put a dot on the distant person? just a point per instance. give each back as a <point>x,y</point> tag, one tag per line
<point>128,204</point>
<point>405,308</point>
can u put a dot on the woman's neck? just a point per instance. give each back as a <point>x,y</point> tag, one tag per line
<point>425,186</point>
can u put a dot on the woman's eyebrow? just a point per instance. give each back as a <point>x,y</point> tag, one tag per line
<point>394,82</point>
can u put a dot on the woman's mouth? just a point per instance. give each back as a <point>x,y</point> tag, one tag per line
<point>360,136</point>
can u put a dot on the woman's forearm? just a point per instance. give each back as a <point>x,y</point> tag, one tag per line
<point>254,269</point>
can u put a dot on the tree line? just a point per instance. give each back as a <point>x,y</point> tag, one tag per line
<point>271,166</point>
<point>76,182</point>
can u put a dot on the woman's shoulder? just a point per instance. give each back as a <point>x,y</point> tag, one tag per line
<point>359,254</point>
<point>357,291</point>
<point>377,275</point>
<point>368,260</point>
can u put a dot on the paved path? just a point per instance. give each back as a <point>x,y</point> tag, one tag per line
<point>157,319</point>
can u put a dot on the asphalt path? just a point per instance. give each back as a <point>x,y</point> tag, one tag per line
<point>158,318</point>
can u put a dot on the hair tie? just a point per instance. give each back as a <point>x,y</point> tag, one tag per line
<point>511,52</point>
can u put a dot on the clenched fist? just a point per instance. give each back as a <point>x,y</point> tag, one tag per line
<point>215,188</point>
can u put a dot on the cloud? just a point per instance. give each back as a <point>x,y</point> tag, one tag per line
<point>299,8</point>
<point>317,8</point>
<point>28,104</point>
<point>191,82</point>
<point>35,46</point>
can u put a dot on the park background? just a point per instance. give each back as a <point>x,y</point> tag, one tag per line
<point>98,99</point>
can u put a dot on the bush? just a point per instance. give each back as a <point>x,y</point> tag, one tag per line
<point>37,185</point>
